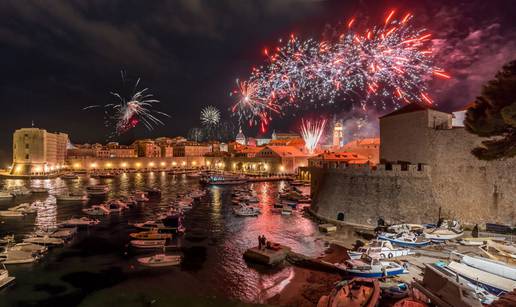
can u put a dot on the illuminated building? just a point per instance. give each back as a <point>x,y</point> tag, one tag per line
<point>240,137</point>
<point>337,135</point>
<point>38,152</point>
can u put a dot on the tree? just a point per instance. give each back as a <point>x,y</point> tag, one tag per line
<point>493,115</point>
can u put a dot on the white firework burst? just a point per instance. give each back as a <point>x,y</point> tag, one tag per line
<point>210,116</point>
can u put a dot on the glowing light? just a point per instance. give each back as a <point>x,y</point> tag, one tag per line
<point>162,163</point>
<point>37,169</point>
<point>282,168</point>
<point>210,116</point>
<point>208,163</point>
<point>130,111</point>
<point>151,164</point>
<point>109,165</point>
<point>123,165</point>
<point>174,163</point>
<point>92,165</point>
<point>183,163</point>
<point>76,165</point>
<point>138,164</point>
<point>311,133</point>
<point>194,162</point>
<point>385,66</point>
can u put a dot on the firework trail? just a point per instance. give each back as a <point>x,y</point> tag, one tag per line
<point>311,133</point>
<point>210,116</point>
<point>129,112</point>
<point>383,66</point>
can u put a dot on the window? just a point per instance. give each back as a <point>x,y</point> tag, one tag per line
<point>27,157</point>
<point>27,145</point>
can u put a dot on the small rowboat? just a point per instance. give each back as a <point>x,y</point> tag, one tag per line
<point>150,235</point>
<point>160,260</point>
<point>357,292</point>
<point>147,243</point>
<point>368,267</point>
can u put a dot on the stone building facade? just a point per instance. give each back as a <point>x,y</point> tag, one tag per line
<point>426,165</point>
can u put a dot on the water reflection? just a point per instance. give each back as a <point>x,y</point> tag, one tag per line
<point>213,245</point>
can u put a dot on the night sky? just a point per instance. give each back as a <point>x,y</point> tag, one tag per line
<point>58,57</point>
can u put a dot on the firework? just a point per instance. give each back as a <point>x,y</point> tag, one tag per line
<point>129,112</point>
<point>210,116</point>
<point>383,67</point>
<point>311,133</point>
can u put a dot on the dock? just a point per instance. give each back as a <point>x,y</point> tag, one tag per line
<point>267,256</point>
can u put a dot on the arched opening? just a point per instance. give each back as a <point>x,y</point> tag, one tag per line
<point>340,216</point>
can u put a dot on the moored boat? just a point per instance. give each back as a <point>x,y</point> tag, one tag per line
<point>160,260</point>
<point>72,197</point>
<point>38,190</point>
<point>147,244</point>
<point>79,222</point>
<point>246,211</point>
<point>5,279</point>
<point>69,176</point>
<point>97,210</point>
<point>45,240</point>
<point>150,235</point>
<point>491,266</point>
<point>12,256</point>
<point>97,190</point>
<point>8,213</point>
<point>491,282</point>
<point>30,248</point>
<point>5,195</point>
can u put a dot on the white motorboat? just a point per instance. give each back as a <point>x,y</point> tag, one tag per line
<point>286,210</point>
<point>147,244</point>
<point>25,208</point>
<point>400,228</point>
<point>12,256</point>
<point>97,210</point>
<point>38,190</point>
<point>140,197</point>
<point>448,230</point>
<point>406,239</point>
<point>64,233</point>
<point>69,176</point>
<point>20,191</point>
<point>493,283</point>
<point>160,260</point>
<point>247,211</point>
<point>491,266</point>
<point>30,248</point>
<point>8,213</point>
<point>78,222</point>
<point>368,267</point>
<point>5,195</point>
<point>5,279</point>
<point>44,240</point>
<point>72,197</point>
<point>379,249</point>
<point>97,190</point>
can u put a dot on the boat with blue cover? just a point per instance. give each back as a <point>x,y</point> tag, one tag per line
<point>404,239</point>
<point>369,267</point>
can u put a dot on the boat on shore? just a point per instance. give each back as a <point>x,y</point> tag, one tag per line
<point>500,252</point>
<point>69,176</point>
<point>20,191</point>
<point>404,239</point>
<point>369,267</point>
<point>491,266</point>
<point>65,233</point>
<point>379,249</point>
<point>160,260</point>
<point>147,244</point>
<point>493,283</point>
<point>363,292</point>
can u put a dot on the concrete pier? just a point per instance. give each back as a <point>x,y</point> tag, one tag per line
<point>267,256</point>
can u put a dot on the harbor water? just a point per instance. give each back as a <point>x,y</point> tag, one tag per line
<point>97,268</point>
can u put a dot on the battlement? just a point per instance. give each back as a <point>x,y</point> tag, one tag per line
<point>377,170</point>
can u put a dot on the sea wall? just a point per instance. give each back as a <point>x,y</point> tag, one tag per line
<point>360,194</point>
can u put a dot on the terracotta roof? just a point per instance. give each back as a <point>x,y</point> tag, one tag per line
<point>286,151</point>
<point>341,156</point>
<point>412,107</point>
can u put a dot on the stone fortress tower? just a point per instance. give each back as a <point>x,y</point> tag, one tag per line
<point>426,164</point>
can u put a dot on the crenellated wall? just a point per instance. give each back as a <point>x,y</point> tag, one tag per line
<point>442,173</point>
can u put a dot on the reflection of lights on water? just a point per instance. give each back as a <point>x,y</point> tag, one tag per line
<point>46,215</point>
